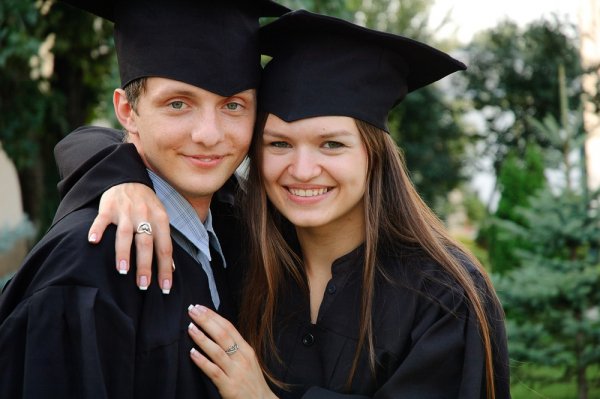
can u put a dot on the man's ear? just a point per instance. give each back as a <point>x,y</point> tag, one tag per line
<point>124,111</point>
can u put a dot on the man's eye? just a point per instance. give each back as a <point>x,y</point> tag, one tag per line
<point>176,104</point>
<point>332,144</point>
<point>233,106</point>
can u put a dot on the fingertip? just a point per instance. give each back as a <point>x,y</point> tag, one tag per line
<point>166,286</point>
<point>193,310</point>
<point>194,353</point>
<point>143,283</point>
<point>122,267</point>
<point>93,238</point>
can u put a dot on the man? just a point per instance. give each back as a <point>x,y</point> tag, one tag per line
<point>69,325</point>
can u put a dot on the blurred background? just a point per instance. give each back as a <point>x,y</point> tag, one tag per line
<point>507,153</point>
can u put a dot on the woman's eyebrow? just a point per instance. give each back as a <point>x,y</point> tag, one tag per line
<point>335,133</point>
<point>324,135</point>
<point>274,134</point>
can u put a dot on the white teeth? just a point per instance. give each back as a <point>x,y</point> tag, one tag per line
<point>308,193</point>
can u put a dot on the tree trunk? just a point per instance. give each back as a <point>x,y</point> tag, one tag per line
<point>582,385</point>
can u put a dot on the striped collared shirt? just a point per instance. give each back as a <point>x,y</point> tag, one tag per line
<point>188,230</point>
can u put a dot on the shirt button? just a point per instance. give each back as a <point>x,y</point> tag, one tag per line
<point>308,339</point>
<point>331,288</point>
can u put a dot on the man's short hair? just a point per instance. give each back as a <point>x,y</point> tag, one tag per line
<point>133,90</point>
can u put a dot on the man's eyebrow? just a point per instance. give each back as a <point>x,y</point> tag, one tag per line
<point>175,92</point>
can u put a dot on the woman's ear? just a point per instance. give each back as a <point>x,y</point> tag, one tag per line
<point>124,111</point>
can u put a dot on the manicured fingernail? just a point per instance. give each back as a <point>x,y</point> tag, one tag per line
<point>93,237</point>
<point>166,286</point>
<point>143,283</point>
<point>123,267</point>
<point>192,309</point>
<point>192,327</point>
<point>201,308</point>
<point>173,265</point>
<point>194,353</point>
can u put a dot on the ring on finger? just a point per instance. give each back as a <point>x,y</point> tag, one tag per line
<point>144,228</point>
<point>232,349</point>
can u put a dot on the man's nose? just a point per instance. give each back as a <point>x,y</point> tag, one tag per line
<point>207,129</point>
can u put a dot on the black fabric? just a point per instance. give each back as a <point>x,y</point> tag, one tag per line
<point>325,66</point>
<point>427,341</point>
<point>88,158</point>
<point>208,44</point>
<point>72,327</point>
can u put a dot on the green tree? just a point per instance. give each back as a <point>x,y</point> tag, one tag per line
<point>519,179</point>
<point>55,65</point>
<point>551,301</point>
<point>513,76</point>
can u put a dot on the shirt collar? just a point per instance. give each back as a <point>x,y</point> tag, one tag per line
<point>184,218</point>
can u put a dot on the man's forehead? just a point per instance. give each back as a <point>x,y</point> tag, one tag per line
<point>156,86</point>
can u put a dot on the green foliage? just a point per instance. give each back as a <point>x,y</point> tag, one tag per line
<point>428,131</point>
<point>562,141</point>
<point>552,300</point>
<point>56,65</point>
<point>513,76</point>
<point>339,8</point>
<point>475,208</point>
<point>518,180</point>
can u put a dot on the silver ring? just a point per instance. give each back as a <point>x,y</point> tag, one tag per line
<point>144,228</point>
<point>232,349</point>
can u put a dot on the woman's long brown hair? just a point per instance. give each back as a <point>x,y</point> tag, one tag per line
<point>394,212</point>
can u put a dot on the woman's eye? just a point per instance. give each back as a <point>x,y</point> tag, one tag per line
<point>176,104</point>
<point>279,144</point>
<point>332,144</point>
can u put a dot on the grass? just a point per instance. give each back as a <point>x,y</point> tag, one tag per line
<point>521,389</point>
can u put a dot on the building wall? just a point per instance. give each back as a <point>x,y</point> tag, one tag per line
<point>11,214</point>
<point>589,25</point>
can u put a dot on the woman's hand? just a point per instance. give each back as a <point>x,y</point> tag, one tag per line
<point>230,362</point>
<point>128,205</point>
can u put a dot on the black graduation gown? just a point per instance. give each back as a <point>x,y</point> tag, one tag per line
<point>72,327</point>
<point>427,343</point>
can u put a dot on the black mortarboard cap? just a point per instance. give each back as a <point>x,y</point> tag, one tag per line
<point>211,44</point>
<point>323,66</point>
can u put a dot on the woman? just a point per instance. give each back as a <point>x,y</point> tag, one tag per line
<point>355,288</point>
